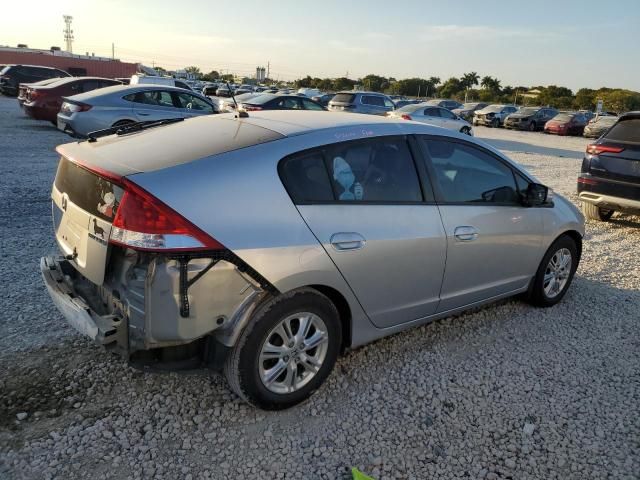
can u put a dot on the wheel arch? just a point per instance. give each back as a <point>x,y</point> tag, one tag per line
<point>344,311</point>
<point>576,237</point>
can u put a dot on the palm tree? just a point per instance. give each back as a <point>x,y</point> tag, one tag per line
<point>434,81</point>
<point>470,79</point>
<point>486,82</point>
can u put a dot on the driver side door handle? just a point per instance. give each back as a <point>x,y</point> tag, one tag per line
<point>465,233</point>
<point>347,241</point>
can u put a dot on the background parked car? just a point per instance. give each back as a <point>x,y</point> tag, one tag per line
<point>124,104</point>
<point>445,103</point>
<point>43,102</point>
<point>467,110</point>
<point>22,88</point>
<point>209,89</point>
<point>154,80</point>
<point>404,103</point>
<point>243,89</point>
<point>493,115</point>
<point>530,118</point>
<point>597,126</point>
<point>439,116</point>
<point>610,175</point>
<point>567,123</point>
<point>280,102</point>
<point>223,91</point>
<point>323,99</point>
<point>309,92</point>
<point>372,103</point>
<point>12,76</point>
<point>228,105</point>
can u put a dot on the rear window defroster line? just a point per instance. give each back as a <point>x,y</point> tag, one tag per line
<point>215,256</point>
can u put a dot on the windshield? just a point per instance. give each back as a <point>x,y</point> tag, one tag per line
<point>563,117</point>
<point>470,106</point>
<point>607,120</point>
<point>262,99</point>
<point>344,98</point>
<point>493,108</point>
<point>412,107</point>
<point>5,69</point>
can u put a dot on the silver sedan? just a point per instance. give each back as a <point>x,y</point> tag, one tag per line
<point>124,104</point>
<point>266,245</point>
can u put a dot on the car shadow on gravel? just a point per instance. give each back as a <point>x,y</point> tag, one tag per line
<point>514,146</point>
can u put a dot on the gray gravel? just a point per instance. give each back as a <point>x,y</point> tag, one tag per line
<point>508,391</point>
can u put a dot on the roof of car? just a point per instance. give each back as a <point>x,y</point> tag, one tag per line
<point>81,97</point>
<point>629,115</point>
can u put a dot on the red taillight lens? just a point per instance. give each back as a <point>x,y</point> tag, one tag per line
<point>595,149</point>
<point>587,181</point>
<point>406,117</point>
<point>143,222</point>
<point>35,94</point>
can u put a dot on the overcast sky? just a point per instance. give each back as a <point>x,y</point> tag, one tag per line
<point>577,44</point>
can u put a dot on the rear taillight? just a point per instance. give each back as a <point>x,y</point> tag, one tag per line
<point>595,149</point>
<point>35,94</point>
<point>69,107</point>
<point>587,181</point>
<point>143,222</point>
<point>406,117</point>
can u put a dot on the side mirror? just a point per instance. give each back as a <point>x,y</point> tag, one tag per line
<point>535,195</point>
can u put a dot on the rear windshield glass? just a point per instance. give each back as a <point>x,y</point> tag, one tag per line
<point>344,98</point>
<point>262,99</point>
<point>412,107</point>
<point>91,193</point>
<point>563,117</point>
<point>5,70</point>
<point>625,131</point>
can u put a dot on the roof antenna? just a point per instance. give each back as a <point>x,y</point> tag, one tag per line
<point>239,113</point>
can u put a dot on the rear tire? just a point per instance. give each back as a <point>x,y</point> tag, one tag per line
<point>532,127</point>
<point>555,273</point>
<point>277,327</point>
<point>593,212</point>
<point>495,123</point>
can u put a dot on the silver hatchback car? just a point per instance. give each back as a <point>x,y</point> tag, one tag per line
<point>125,104</point>
<point>267,245</point>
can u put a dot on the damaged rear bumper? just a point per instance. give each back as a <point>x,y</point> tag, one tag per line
<point>103,329</point>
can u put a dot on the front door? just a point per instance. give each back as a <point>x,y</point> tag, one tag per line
<point>364,202</point>
<point>493,241</point>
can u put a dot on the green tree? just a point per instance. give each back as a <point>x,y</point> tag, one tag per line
<point>451,88</point>
<point>470,79</point>
<point>194,70</point>
<point>342,83</point>
<point>375,83</point>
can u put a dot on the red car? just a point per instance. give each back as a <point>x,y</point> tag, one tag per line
<point>22,89</point>
<point>567,124</point>
<point>43,102</point>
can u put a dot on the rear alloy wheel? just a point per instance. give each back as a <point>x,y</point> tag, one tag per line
<point>593,212</point>
<point>555,273</point>
<point>465,130</point>
<point>287,350</point>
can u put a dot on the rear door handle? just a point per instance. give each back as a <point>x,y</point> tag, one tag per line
<point>465,234</point>
<point>347,241</point>
<point>143,114</point>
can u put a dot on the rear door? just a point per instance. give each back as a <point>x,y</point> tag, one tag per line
<point>83,208</point>
<point>623,163</point>
<point>364,202</point>
<point>493,240</point>
<point>156,105</point>
<point>432,116</point>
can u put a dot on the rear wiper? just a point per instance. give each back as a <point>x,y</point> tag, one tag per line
<point>130,128</point>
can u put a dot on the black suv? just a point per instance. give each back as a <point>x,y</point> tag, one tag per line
<point>610,177</point>
<point>12,76</point>
<point>530,118</point>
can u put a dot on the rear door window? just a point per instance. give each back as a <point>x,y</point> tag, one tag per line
<point>373,100</point>
<point>379,170</point>
<point>627,131</point>
<point>432,112</point>
<point>444,113</point>
<point>158,98</point>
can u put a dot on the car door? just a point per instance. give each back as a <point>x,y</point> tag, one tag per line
<point>449,119</point>
<point>432,116</point>
<point>364,202</point>
<point>288,103</point>
<point>493,241</point>
<point>192,106</point>
<point>156,105</point>
<point>309,105</point>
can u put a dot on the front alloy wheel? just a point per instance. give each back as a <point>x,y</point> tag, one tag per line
<point>557,273</point>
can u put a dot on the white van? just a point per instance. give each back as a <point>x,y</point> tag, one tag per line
<point>173,82</point>
<point>310,92</point>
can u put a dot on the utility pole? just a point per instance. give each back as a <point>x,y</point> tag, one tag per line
<point>113,51</point>
<point>68,33</point>
<point>268,68</point>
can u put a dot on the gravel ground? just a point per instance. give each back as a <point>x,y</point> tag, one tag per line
<point>508,391</point>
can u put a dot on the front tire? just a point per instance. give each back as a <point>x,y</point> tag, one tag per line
<point>465,130</point>
<point>593,212</point>
<point>287,350</point>
<point>532,127</point>
<point>555,273</point>
<point>495,123</point>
